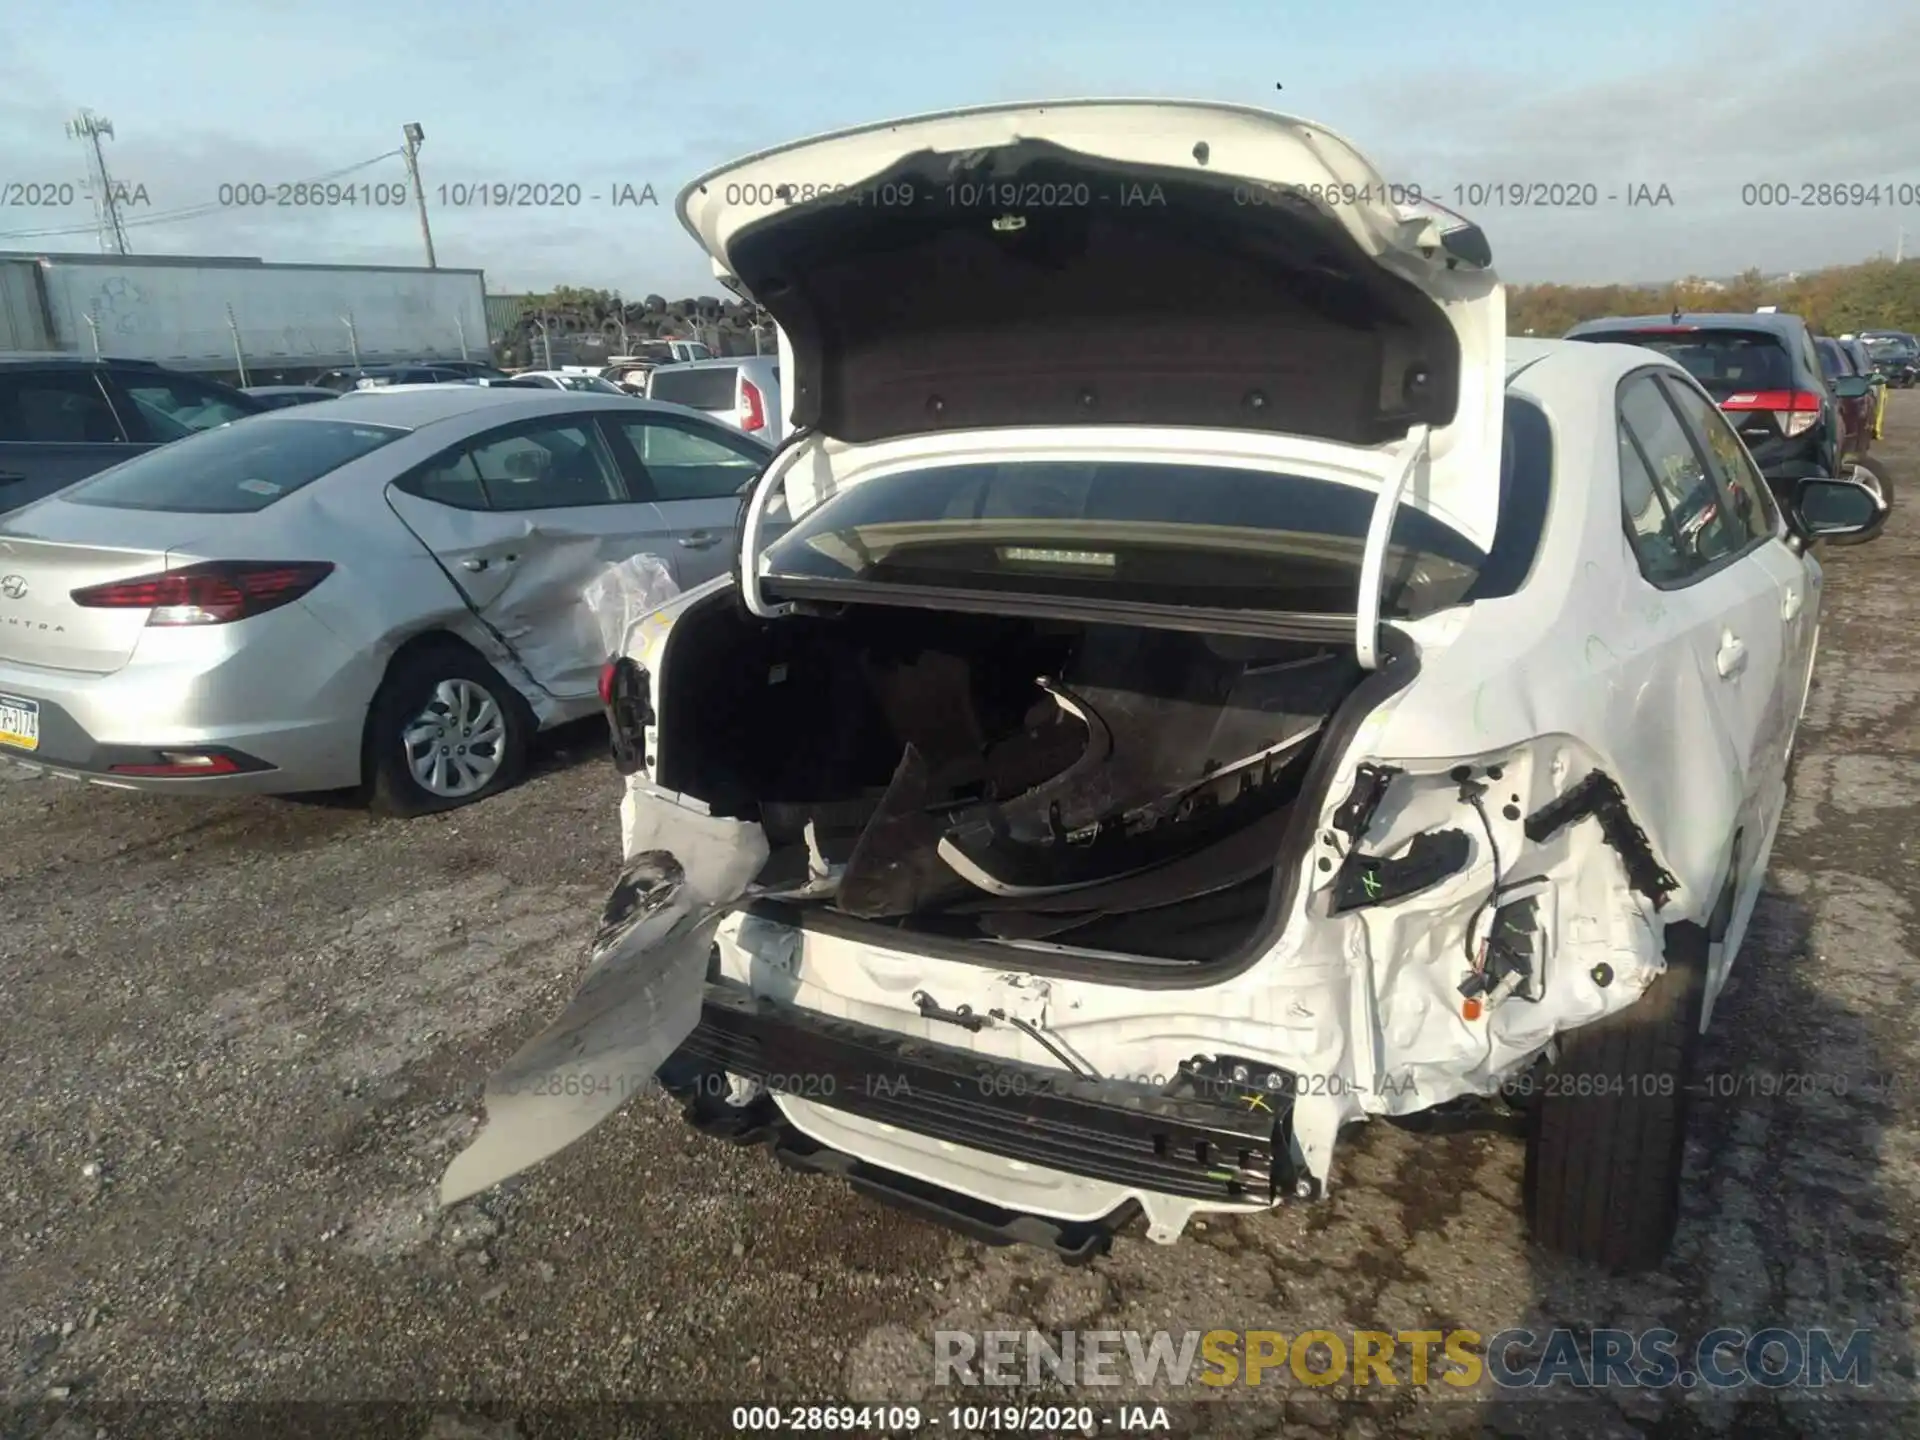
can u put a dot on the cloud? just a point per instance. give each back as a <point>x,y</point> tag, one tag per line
<point>1706,121</point>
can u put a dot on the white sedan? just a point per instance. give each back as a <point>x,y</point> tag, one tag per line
<point>1166,733</point>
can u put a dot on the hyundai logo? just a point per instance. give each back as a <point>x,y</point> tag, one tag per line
<point>14,587</point>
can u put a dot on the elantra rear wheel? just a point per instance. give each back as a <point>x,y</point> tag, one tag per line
<point>445,730</point>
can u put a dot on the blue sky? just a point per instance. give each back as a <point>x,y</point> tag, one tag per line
<point>1695,95</point>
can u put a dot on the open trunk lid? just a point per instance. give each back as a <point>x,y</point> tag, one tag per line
<point>1120,263</point>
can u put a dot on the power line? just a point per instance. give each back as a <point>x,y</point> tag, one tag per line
<point>190,212</point>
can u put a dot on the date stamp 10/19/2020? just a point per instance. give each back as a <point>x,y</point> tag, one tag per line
<point>518,195</point>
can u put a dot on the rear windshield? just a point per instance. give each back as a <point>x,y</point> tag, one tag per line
<point>234,470</point>
<point>1725,362</point>
<point>1889,346</point>
<point>697,389</point>
<point>1147,533</point>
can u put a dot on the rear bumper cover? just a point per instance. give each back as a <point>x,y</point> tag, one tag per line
<point>1200,1147</point>
<point>68,749</point>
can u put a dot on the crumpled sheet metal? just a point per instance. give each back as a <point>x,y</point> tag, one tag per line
<point>640,998</point>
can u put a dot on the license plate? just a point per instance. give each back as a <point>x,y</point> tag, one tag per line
<point>19,722</point>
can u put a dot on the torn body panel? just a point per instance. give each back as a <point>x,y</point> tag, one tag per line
<point>522,573</point>
<point>639,1000</point>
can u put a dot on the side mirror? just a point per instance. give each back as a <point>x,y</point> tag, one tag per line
<point>1826,506</point>
<point>1851,387</point>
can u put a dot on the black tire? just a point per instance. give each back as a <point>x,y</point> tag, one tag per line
<point>407,690</point>
<point>1603,1167</point>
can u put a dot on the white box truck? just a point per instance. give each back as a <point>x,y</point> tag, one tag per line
<point>216,314</point>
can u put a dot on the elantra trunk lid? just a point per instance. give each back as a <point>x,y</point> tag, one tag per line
<point>1120,263</point>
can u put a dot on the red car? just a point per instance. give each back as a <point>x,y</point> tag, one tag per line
<point>1856,414</point>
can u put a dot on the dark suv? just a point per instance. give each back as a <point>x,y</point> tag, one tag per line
<point>62,418</point>
<point>1764,372</point>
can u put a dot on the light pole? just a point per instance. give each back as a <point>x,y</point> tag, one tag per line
<point>415,136</point>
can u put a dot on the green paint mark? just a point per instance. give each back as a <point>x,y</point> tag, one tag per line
<point>1594,641</point>
<point>1370,883</point>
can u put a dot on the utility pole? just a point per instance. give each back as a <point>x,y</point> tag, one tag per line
<point>415,135</point>
<point>88,127</point>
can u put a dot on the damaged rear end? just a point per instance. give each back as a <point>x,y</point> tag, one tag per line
<point>1142,451</point>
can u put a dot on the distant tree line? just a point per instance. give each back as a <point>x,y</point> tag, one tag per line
<point>1876,295</point>
<point>583,326</point>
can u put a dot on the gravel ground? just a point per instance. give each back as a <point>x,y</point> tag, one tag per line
<point>240,1039</point>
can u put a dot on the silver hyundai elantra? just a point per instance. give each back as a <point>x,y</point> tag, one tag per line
<point>382,591</point>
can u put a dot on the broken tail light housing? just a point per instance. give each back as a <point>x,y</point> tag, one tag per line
<point>753,407</point>
<point>215,592</point>
<point>1794,411</point>
<point>625,696</point>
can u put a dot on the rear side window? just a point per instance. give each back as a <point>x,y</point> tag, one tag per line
<point>1697,526</point>
<point>697,389</point>
<point>234,470</point>
<point>1741,484</point>
<point>174,407</point>
<point>57,409</point>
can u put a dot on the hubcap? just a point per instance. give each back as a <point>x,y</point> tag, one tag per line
<point>1866,477</point>
<point>456,742</point>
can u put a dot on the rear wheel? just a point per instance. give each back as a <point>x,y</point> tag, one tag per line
<point>1607,1129</point>
<point>444,730</point>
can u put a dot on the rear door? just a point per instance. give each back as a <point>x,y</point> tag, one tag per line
<point>56,426</point>
<point>522,517</point>
<point>695,474</point>
<point>1708,550</point>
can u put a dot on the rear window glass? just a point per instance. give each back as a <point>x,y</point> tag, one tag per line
<point>698,389</point>
<point>234,470</point>
<point>1725,362</point>
<point>1147,533</point>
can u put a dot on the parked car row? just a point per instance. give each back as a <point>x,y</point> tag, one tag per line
<point>1796,400</point>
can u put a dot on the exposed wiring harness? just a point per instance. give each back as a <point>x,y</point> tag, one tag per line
<point>1470,793</point>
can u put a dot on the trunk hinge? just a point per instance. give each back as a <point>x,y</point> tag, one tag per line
<point>1373,560</point>
<point>753,524</point>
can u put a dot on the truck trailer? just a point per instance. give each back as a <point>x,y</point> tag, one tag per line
<point>239,317</point>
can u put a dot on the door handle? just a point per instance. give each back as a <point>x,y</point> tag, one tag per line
<point>1790,603</point>
<point>11,477</point>
<point>477,563</point>
<point>699,540</point>
<point>1732,658</point>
